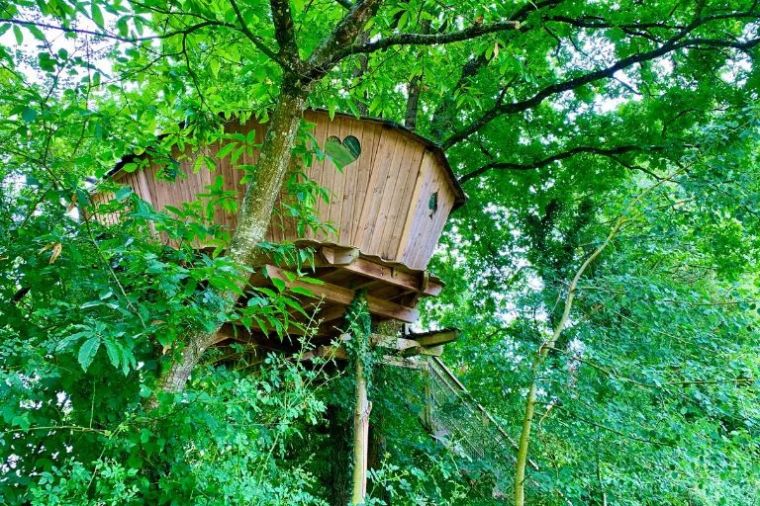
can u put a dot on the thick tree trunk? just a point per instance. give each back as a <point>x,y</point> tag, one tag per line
<point>253,221</point>
<point>274,160</point>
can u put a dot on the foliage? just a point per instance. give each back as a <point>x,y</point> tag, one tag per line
<point>555,115</point>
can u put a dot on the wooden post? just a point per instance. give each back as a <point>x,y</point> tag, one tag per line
<point>361,436</point>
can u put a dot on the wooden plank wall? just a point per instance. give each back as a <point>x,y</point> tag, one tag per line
<point>379,203</point>
<point>423,226</point>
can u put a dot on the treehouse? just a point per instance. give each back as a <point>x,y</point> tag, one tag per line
<point>388,206</point>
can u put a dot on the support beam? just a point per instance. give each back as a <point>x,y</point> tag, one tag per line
<point>341,295</point>
<point>407,363</point>
<point>331,313</point>
<point>335,255</point>
<point>394,343</point>
<point>436,337</point>
<point>327,352</point>
<point>433,351</point>
<point>406,347</point>
<point>420,282</point>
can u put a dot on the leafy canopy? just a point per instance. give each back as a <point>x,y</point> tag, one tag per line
<point>555,114</point>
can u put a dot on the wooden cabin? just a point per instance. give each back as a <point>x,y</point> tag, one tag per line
<point>388,207</point>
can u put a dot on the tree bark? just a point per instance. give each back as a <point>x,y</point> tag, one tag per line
<point>412,102</point>
<point>361,436</point>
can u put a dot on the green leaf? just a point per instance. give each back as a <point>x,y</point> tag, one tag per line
<point>226,149</point>
<point>88,351</point>
<point>340,153</point>
<point>47,62</point>
<point>214,65</point>
<point>36,32</point>
<point>279,284</point>
<point>353,145</point>
<point>28,114</point>
<point>97,14</point>
<point>299,290</point>
<point>69,340</point>
<point>123,193</point>
<point>19,35</point>
<point>113,350</point>
<point>122,26</point>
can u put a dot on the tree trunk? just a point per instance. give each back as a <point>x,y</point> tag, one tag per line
<point>361,436</point>
<point>252,223</point>
<point>522,450</point>
<point>412,102</point>
<point>530,401</point>
<point>274,160</point>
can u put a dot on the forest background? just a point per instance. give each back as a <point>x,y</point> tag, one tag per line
<point>617,140</point>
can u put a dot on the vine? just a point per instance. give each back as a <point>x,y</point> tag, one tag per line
<point>359,348</point>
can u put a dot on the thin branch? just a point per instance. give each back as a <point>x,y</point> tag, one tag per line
<point>428,39</point>
<point>675,43</point>
<point>107,35</point>
<point>107,266</point>
<point>613,430</point>
<point>257,41</point>
<point>515,22</point>
<point>284,31</point>
<point>193,75</point>
<point>563,155</point>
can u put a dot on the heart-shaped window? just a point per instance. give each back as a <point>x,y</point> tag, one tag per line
<point>343,152</point>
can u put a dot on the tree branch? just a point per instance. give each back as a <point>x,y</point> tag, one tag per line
<point>428,39</point>
<point>471,68</point>
<point>107,35</point>
<point>329,52</point>
<point>284,32</point>
<point>257,41</point>
<point>563,155</point>
<point>671,45</point>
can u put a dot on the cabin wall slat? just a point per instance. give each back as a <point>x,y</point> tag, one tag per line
<point>318,173</point>
<point>370,140</point>
<point>403,194</point>
<point>396,166</point>
<point>371,216</point>
<point>348,183</point>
